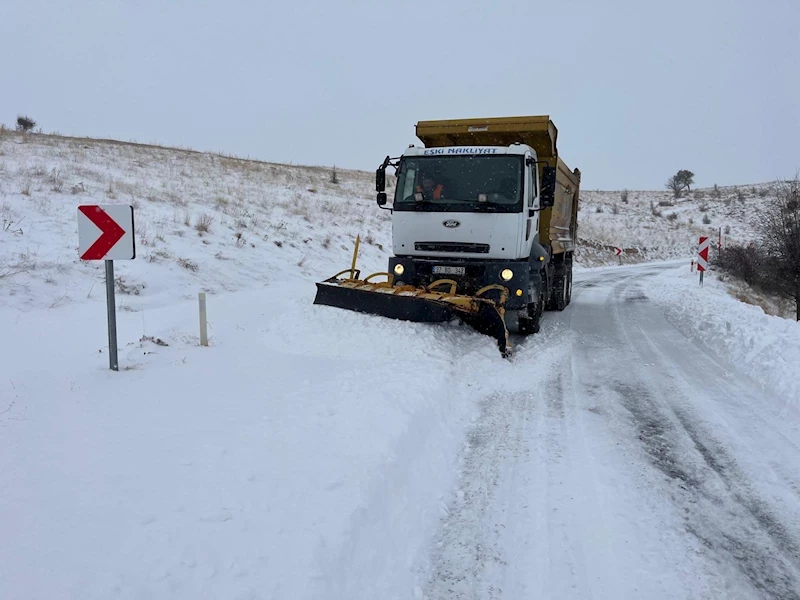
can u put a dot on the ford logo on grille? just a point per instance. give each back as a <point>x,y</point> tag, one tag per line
<point>451,223</point>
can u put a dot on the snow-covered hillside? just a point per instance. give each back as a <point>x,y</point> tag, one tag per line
<point>203,222</point>
<point>224,223</point>
<point>653,225</point>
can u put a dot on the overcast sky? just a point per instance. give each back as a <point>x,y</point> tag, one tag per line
<point>637,89</point>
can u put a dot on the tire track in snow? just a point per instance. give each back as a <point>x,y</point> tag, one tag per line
<point>480,533</point>
<point>733,523</point>
<point>468,541</point>
<point>764,548</point>
<point>722,509</point>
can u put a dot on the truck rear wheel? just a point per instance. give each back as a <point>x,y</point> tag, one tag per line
<point>569,281</point>
<point>560,297</point>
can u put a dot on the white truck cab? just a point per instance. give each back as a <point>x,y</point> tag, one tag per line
<point>486,202</point>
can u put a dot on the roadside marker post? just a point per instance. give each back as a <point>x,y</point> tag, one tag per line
<point>618,252</point>
<point>105,232</point>
<point>702,256</point>
<point>203,319</point>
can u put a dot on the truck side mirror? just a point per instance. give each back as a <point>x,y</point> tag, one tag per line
<point>380,179</point>
<point>547,197</point>
<point>381,198</point>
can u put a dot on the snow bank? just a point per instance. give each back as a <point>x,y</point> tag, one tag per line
<point>306,453</point>
<point>765,347</point>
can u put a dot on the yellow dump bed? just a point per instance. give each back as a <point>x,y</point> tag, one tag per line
<point>558,224</point>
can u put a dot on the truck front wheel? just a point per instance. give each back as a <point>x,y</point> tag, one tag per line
<point>533,322</point>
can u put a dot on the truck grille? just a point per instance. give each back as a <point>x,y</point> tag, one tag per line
<point>451,247</point>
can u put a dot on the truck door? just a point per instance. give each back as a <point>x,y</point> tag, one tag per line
<point>532,202</point>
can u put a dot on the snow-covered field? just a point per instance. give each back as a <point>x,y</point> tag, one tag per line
<point>310,452</point>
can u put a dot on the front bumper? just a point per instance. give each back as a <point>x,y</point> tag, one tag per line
<point>477,274</point>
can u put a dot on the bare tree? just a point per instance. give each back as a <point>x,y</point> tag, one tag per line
<point>780,230</point>
<point>676,185</point>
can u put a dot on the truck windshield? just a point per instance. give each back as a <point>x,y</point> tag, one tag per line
<point>463,183</point>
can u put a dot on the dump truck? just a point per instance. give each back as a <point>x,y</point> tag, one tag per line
<point>484,228</point>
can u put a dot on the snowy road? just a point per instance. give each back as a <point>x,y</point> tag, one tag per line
<point>370,458</point>
<point>636,466</point>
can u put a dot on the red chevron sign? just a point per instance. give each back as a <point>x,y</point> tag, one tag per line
<point>106,232</point>
<point>702,253</point>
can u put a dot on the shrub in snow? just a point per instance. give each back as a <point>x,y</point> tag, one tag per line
<point>654,210</point>
<point>25,124</point>
<point>188,264</point>
<point>624,196</point>
<point>203,224</point>
<point>780,229</point>
<point>706,220</point>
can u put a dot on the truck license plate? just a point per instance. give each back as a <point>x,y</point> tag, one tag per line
<point>441,270</point>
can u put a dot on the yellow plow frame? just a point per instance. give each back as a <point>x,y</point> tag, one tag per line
<point>437,302</point>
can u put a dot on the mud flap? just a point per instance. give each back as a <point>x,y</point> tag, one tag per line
<point>489,321</point>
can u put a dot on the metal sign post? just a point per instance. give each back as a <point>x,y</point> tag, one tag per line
<point>113,362</point>
<point>106,233</point>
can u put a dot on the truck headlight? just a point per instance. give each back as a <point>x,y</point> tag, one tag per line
<point>399,269</point>
<point>506,274</point>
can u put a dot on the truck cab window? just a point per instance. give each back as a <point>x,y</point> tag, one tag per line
<point>533,191</point>
<point>466,183</point>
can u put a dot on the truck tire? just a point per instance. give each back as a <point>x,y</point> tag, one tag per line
<point>532,323</point>
<point>561,291</point>
<point>560,298</point>
<point>525,324</point>
<point>537,310</point>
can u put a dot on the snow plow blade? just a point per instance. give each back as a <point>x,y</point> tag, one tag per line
<point>418,304</point>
